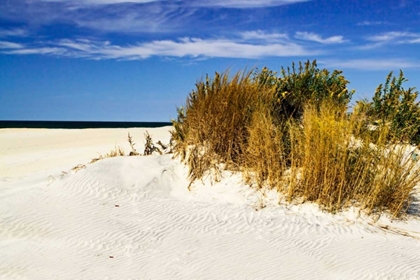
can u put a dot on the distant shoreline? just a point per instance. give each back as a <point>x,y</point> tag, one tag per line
<point>79,124</point>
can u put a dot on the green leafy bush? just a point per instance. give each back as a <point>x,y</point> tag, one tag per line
<point>309,85</point>
<point>395,107</point>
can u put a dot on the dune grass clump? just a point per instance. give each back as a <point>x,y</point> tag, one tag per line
<point>336,164</point>
<point>213,128</point>
<point>240,122</point>
<point>149,148</point>
<point>265,155</point>
<point>116,152</point>
<point>293,132</point>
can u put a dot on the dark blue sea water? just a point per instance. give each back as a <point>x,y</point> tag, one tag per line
<point>78,124</point>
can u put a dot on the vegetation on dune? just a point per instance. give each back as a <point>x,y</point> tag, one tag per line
<point>292,132</point>
<point>149,149</point>
<point>116,152</point>
<point>337,162</point>
<point>396,107</point>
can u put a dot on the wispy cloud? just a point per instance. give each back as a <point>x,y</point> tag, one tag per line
<point>16,32</point>
<point>201,3</point>
<point>244,4</point>
<point>21,49</point>
<point>394,37</point>
<point>125,16</point>
<point>372,64</point>
<point>369,23</point>
<point>183,47</point>
<point>10,45</point>
<point>39,50</point>
<point>100,2</point>
<point>260,35</point>
<point>192,47</point>
<point>309,36</point>
<point>102,15</point>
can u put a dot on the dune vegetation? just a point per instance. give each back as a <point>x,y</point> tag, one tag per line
<point>293,131</point>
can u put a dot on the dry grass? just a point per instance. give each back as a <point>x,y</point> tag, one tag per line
<point>117,151</point>
<point>132,144</point>
<point>149,149</point>
<point>265,156</point>
<point>149,146</point>
<point>216,130</point>
<point>335,164</point>
<point>324,156</point>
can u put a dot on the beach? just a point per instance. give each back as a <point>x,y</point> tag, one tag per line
<point>135,217</point>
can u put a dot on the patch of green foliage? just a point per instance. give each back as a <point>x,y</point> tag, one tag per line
<point>395,107</point>
<point>308,84</point>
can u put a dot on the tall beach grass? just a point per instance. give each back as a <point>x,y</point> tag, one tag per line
<point>293,132</point>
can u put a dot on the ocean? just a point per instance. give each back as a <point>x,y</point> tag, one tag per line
<point>79,124</point>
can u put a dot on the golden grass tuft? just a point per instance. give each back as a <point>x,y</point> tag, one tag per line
<point>335,163</point>
<point>264,157</point>
<point>132,144</point>
<point>149,148</point>
<point>324,155</point>
<point>216,130</point>
<point>117,151</point>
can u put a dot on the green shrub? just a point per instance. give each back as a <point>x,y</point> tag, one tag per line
<point>396,107</point>
<point>309,85</point>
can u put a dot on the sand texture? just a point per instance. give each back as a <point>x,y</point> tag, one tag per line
<point>134,218</point>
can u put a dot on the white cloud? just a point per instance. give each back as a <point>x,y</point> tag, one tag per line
<point>414,41</point>
<point>309,36</point>
<point>184,47</point>
<point>155,19</point>
<point>263,36</point>
<point>201,3</point>
<point>101,1</point>
<point>126,16</point>
<point>41,50</point>
<point>10,45</point>
<point>17,32</point>
<point>394,37</point>
<point>388,36</point>
<point>372,64</point>
<point>243,4</point>
<point>369,23</point>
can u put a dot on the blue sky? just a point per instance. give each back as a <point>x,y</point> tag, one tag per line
<point>117,60</point>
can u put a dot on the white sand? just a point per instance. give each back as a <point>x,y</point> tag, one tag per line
<point>133,218</point>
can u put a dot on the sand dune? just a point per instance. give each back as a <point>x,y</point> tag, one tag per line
<point>134,218</point>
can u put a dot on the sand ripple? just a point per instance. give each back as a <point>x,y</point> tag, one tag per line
<point>132,218</point>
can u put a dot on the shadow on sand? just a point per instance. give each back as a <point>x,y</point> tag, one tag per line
<point>414,208</point>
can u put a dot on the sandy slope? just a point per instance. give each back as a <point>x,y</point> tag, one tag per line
<point>25,152</point>
<point>133,218</point>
